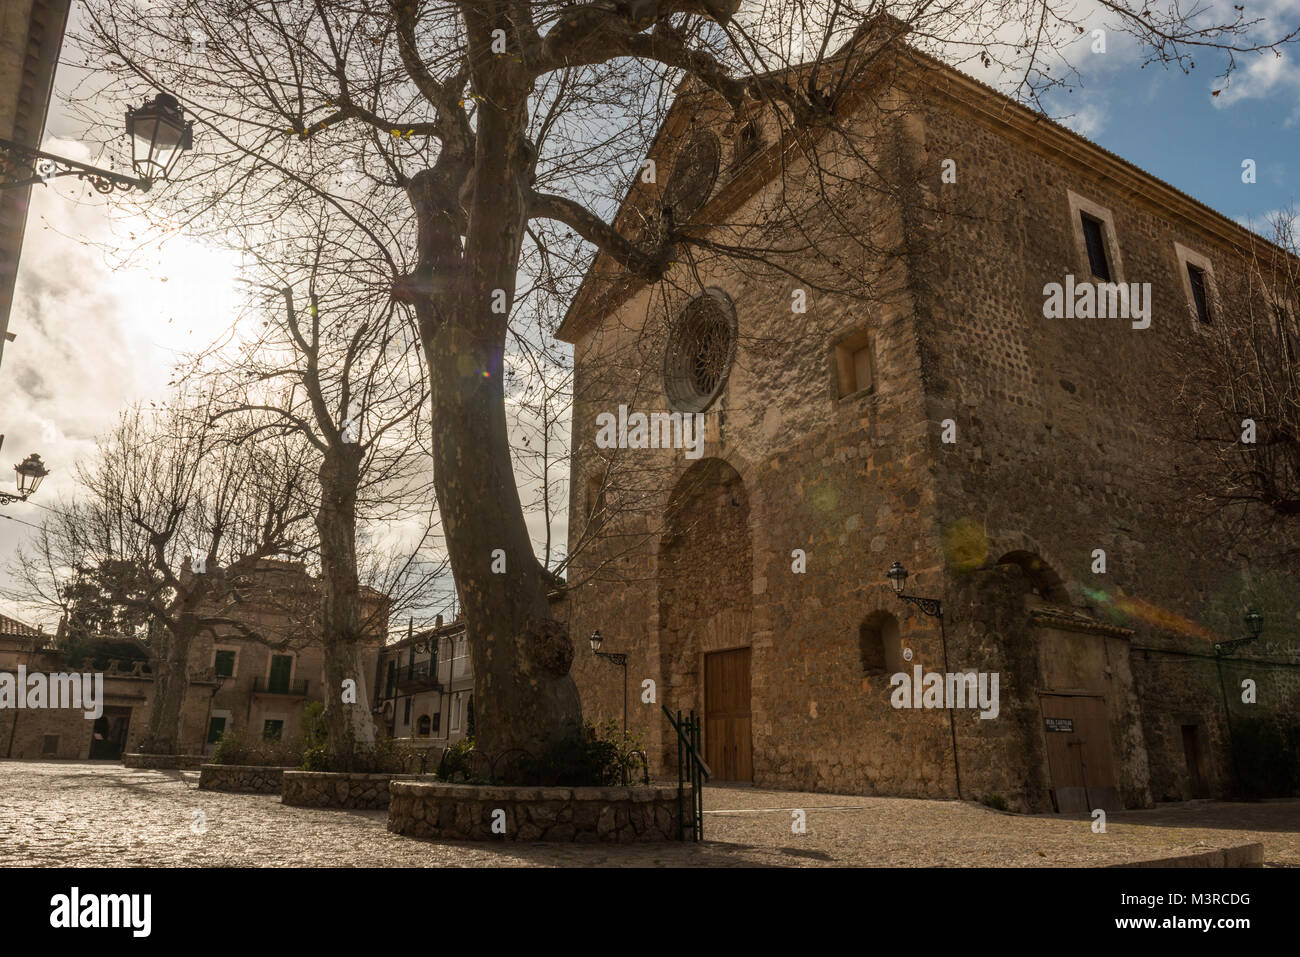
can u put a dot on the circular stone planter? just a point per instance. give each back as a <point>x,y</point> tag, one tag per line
<point>164,762</point>
<point>355,792</point>
<point>241,778</point>
<point>573,815</point>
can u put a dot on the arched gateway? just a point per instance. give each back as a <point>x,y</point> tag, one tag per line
<point>706,599</point>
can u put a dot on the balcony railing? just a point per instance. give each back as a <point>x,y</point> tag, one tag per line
<point>274,686</point>
<point>417,677</point>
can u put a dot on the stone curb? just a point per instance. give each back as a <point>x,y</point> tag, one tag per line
<point>1243,855</point>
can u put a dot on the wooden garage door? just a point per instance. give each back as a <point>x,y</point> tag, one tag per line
<point>1078,753</point>
<point>728,747</point>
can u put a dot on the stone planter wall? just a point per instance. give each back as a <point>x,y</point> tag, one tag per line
<point>245,778</point>
<point>366,792</point>
<point>164,762</point>
<point>581,815</point>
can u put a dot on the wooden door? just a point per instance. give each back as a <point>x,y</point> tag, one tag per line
<point>1078,753</point>
<point>728,745</point>
<point>1195,765</point>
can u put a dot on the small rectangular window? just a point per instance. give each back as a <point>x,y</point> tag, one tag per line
<point>272,730</point>
<point>437,721</point>
<point>50,744</point>
<point>1199,294</point>
<point>216,728</point>
<point>406,714</point>
<point>1094,237</point>
<point>224,664</point>
<point>853,364</point>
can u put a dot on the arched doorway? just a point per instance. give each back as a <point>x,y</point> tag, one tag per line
<point>706,596</point>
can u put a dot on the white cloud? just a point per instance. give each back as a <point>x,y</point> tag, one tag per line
<point>1275,78</point>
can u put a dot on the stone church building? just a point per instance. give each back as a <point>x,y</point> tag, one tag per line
<point>903,396</point>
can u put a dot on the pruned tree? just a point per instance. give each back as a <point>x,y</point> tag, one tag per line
<point>334,366</point>
<point>482,143</point>
<point>172,519</point>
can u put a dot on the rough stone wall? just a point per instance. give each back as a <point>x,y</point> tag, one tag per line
<point>247,779</point>
<point>1060,447</point>
<point>367,792</point>
<point>577,815</point>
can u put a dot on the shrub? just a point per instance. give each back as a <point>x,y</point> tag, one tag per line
<point>236,749</point>
<point>995,801</point>
<point>456,759</point>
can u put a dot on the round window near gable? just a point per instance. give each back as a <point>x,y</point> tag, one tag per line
<point>694,174</point>
<point>701,347</point>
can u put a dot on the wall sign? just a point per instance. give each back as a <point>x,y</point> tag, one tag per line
<point>1059,724</point>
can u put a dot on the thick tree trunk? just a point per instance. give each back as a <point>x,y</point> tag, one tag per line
<point>463,291</point>
<point>524,696</point>
<point>348,723</point>
<point>170,684</point>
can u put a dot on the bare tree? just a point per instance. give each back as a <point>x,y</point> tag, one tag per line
<point>481,144</point>
<point>334,367</point>
<point>1242,437</point>
<point>174,518</point>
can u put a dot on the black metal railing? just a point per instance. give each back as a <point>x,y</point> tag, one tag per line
<point>690,767</point>
<point>274,686</point>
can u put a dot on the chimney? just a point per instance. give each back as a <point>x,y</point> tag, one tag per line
<point>438,624</point>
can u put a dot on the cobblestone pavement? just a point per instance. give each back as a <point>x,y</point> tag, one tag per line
<point>99,813</point>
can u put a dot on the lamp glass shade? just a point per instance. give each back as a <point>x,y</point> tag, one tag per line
<point>159,134</point>
<point>1254,623</point>
<point>30,472</point>
<point>897,576</point>
<point>596,639</point>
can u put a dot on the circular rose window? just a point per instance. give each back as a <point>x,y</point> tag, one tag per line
<point>694,174</point>
<point>701,346</point>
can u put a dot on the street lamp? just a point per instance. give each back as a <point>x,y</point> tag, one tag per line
<point>932,607</point>
<point>29,473</point>
<point>1255,626</point>
<point>159,134</point>
<point>618,659</point>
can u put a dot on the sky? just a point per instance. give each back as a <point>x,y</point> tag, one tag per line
<point>92,337</point>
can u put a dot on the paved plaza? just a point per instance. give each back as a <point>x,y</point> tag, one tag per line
<point>102,814</point>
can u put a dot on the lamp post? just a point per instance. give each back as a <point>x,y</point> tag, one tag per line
<point>29,473</point>
<point>618,659</point>
<point>159,134</point>
<point>1254,625</point>
<point>933,608</point>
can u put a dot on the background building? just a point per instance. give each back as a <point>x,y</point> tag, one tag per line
<point>427,687</point>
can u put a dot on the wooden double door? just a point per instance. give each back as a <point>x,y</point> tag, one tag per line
<point>728,741</point>
<point>1079,753</point>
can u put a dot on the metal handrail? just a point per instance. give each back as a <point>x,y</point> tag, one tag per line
<point>688,754</point>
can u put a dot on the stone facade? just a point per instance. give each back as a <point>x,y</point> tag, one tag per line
<point>241,778</point>
<point>577,815</point>
<point>827,459</point>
